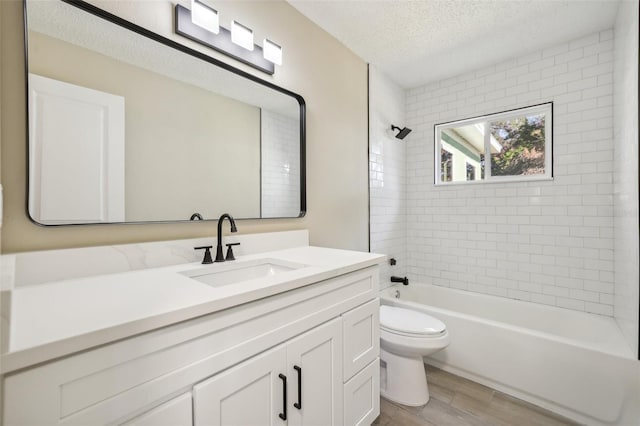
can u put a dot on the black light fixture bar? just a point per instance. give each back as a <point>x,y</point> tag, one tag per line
<point>220,42</point>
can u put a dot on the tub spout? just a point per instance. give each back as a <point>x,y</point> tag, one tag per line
<point>403,280</point>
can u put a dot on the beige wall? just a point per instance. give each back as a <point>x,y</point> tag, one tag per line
<point>203,147</point>
<point>2,39</point>
<point>329,76</point>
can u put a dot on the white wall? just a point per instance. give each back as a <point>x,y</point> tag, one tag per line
<point>280,151</point>
<point>549,242</point>
<point>387,174</point>
<point>625,175</point>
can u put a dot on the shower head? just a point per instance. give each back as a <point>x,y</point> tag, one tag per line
<point>402,132</point>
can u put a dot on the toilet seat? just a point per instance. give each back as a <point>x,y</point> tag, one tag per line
<point>410,323</point>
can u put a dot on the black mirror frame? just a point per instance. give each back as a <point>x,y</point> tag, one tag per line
<point>94,10</point>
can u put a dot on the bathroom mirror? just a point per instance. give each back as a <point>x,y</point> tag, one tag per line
<point>126,125</point>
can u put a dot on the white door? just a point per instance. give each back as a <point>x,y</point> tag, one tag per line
<point>314,369</point>
<point>176,412</point>
<point>76,153</point>
<point>251,393</point>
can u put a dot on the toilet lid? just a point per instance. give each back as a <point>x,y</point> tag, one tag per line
<point>407,321</point>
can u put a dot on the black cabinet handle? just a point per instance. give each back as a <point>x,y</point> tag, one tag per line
<point>298,404</point>
<point>283,415</point>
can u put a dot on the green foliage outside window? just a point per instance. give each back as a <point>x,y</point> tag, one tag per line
<point>523,145</point>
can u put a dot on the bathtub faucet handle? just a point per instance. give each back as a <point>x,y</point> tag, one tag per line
<point>403,280</point>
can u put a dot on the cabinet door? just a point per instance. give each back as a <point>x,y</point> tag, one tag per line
<point>314,368</point>
<point>249,394</point>
<point>177,412</point>
<point>362,396</point>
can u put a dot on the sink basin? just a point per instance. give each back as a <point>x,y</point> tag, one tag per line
<point>221,274</point>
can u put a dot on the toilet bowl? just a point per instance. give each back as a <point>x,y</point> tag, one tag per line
<point>405,337</point>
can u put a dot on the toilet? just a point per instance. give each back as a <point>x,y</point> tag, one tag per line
<point>406,336</point>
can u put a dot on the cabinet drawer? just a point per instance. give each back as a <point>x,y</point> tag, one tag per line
<point>177,411</point>
<point>362,396</point>
<point>361,331</point>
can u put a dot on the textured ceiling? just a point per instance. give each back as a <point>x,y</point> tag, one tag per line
<point>418,41</point>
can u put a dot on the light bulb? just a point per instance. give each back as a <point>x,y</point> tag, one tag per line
<point>272,52</point>
<point>241,35</point>
<point>205,16</point>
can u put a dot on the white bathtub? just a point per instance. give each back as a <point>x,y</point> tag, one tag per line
<point>575,364</point>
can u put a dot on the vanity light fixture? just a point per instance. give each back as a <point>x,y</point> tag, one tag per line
<point>201,24</point>
<point>272,51</point>
<point>241,35</point>
<point>205,16</point>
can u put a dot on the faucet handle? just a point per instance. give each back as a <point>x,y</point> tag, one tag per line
<point>230,251</point>
<point>207,254</point>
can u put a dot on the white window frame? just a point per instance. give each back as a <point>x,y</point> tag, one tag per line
<point>546,109</point>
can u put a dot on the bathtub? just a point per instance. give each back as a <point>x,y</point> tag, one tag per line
<point>572,363</point>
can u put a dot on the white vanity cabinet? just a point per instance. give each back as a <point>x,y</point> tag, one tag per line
<point>223,367</point>
<point>177,411</point>
<point>248,394</point>
<point>361,362</point>
<point>296,383</point>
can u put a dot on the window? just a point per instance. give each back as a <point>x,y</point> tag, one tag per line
<point>508,146</point>
<point>445,161</point>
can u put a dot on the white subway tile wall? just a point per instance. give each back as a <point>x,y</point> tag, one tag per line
<point>548,242</point>
<point>387,174</point>
<point>625,173</point>
<point>280,165</point>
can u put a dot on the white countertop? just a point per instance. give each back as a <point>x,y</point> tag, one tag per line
<point>59,318</point>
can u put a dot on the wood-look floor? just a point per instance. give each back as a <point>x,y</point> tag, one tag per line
<point>456,401</point>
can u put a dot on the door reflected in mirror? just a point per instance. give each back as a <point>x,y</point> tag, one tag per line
<point>123,128</point>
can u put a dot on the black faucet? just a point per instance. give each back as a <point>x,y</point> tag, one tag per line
<point>219,255</point>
